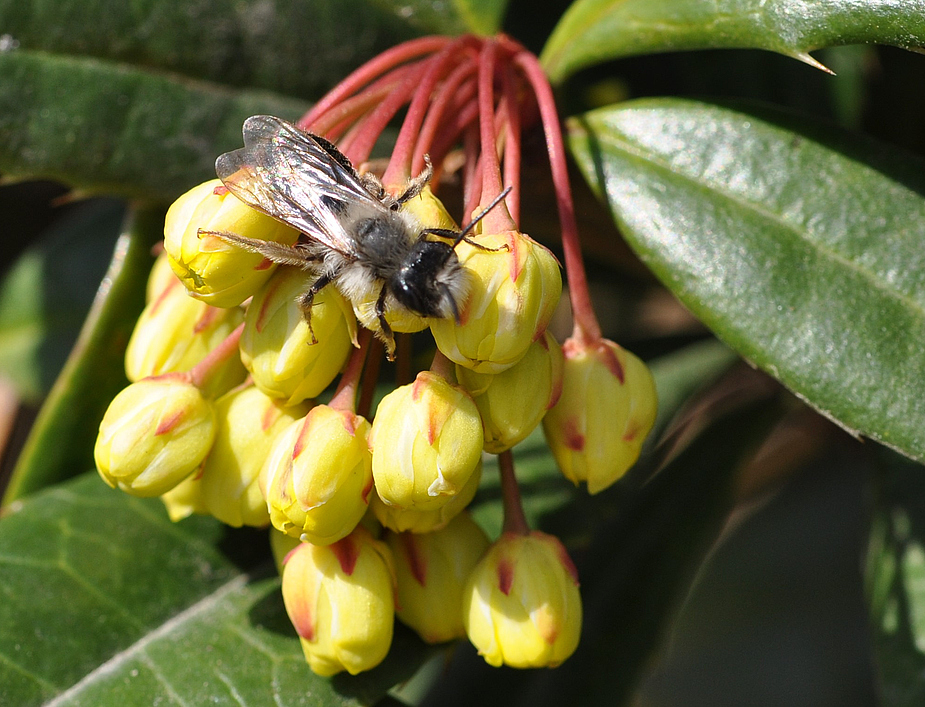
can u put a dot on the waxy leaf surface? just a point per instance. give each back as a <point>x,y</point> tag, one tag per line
<point>593,31</point>
<point>799,245</point>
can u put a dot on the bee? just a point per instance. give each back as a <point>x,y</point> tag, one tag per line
<point>358,237</point>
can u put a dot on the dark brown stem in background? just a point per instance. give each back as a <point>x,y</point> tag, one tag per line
<point>370,378</point>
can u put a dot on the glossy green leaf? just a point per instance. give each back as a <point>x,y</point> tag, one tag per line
<point>60,444</point>
<point>106,602</point>
<point>593,31</point>
<point>799,245</point>
<point>103,127</point>
<point>47,293</point>
<point>290,46</point>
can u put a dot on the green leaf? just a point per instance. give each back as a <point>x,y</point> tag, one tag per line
<point>47,293</point>
<point>799,245</point>
<point>594,31</point>
<point>106,602</point>
<point>455,17</point>
<point>290,46</point>
<point>102,127</point>
<point>60,443</point>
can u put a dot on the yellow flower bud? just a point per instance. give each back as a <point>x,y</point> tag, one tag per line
<point>161,277</point>
<point>277,347</point>
<point>185,498</point>
<point>175,332</point>
<point>318,477</point>
<point>401,520</point>
<point>521,605</point>
<point>213,270</point>
<point>514,291</point>
<point>512,403</point>
<point>341,600</point>
<point>154,434</point>
<point>606,410</point>
<point>248,424</point>
<point>431,570</point>
<point>427,442</point>
<point>429,211</point>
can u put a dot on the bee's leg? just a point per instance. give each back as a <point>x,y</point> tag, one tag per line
<point>307,298</point>
<point>274,252</point>
<point>449,233</point>
<point>387,336</point>
<point>416,185</point>
<point>373,185</point>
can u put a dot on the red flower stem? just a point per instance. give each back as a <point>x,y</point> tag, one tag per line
<point>499,219</point>
<point>472,178</point>
<point>511,143</point>
<point>514,519</point>
<point>389,59</point>
<point>370,128</point>
<point>399,169</point>
<point>355,106</point>
<point>449,133</point>
<point>345,396</point>
<point>454,87</point>
<point>336,133</point>
<point>443,367</point>
<point>207,367</point>
<point>370,378</point>
<point>587,330</point>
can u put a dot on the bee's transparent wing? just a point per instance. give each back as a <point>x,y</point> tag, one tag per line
<point>293,176</point>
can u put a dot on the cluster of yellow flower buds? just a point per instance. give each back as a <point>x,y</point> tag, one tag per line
<point>221,418</point>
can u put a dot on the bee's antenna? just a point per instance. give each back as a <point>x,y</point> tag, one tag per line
<point>461,236</point>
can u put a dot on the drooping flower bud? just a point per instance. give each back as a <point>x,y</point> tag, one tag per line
<point>521,605</point>
<point>154,434</point>
<point>341,600</point>
<point>318,477</point>
<point>277,344</point>
<point>184,499</point>
<point>175,332</point>
<point>512,403</point>
<point>212,269</point>
<point>161,276</point>
<point>432,569</point>
<point>248,424</point>
<point>606,410</point>
<point>410,520</point>
<point>427,442</point>
<point>514,291</point>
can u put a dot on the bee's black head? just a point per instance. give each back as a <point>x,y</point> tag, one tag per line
<point>430,281</point>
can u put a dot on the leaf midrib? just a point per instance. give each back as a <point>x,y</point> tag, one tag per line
<point>138,648</point>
